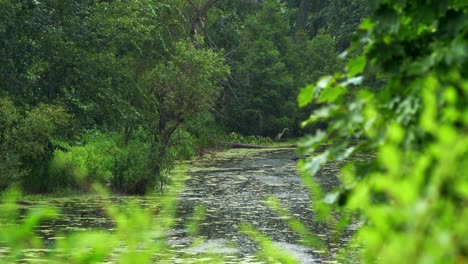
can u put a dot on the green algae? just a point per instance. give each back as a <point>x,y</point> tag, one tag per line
<point>231,185</point>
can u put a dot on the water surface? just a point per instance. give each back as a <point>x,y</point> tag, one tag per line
<point>232,187</point>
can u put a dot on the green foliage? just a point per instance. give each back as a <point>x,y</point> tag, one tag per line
<point>126,168</point>
<point>26,143</point>
<point>256,140</point>
<point>89,162</point>
<point>10,154</point>
<point>199,214</point>
<point>19,235</point>
<point>186,84</point>
<point>314,58</point>
<point>205,129</point>
<point>130,171</point>
<point>274,59</point>
<point>137,236</point>
<point>262,106</point>
<point>118,65</point>
<point>320,56</point>
<point>114,66</point>
<point>182,87</point>
<point>80,53</point>
<point>184,145</point>
<point>406,144</point>
<point>102,158</point>
<point>340,18</point>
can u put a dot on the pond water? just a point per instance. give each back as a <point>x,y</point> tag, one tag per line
<point>232,187</point>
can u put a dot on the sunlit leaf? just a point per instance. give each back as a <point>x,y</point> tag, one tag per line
<point>367,24</point>
<point>324,81</point>
<point>353,81</point>
<point>356,66</point>
<point>306,95</point>
<point>332,94</point>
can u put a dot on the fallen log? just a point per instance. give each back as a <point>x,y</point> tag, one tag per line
<point>249,146</point>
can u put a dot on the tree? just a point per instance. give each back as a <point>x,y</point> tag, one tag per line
<point>26,144</point>
<point>265,83</point>
<point>200,11</point>
<point>185,85</point>
<point>112,65</point>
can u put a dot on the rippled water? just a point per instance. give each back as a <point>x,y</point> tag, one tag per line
<point>233,188</point>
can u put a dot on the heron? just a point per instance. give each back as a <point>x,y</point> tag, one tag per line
<point>278,137</point>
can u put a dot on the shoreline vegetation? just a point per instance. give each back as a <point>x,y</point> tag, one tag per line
<point>219,150</point>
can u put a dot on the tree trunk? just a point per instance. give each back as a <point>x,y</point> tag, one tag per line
<point>199,16</point>
<point>249,146</point>
<point>128,133</point>
<point>302,13</point>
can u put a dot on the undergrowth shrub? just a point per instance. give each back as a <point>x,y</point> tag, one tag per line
<point>132,168</point>
<point>204,129</point>
<point>239,138</point>
<point>130,171</point>
<point>184,145</point>
<point>90,161</point>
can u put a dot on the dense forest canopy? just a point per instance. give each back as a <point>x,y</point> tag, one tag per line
<point>132,73</point>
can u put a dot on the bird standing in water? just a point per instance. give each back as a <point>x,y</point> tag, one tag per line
<point>278,137</point>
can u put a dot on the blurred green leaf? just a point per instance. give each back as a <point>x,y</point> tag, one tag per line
<point>332,94</point>
<point>306,95</point>
<point>356,66</point>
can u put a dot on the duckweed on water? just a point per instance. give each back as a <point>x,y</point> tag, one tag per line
<point>229,191</point>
